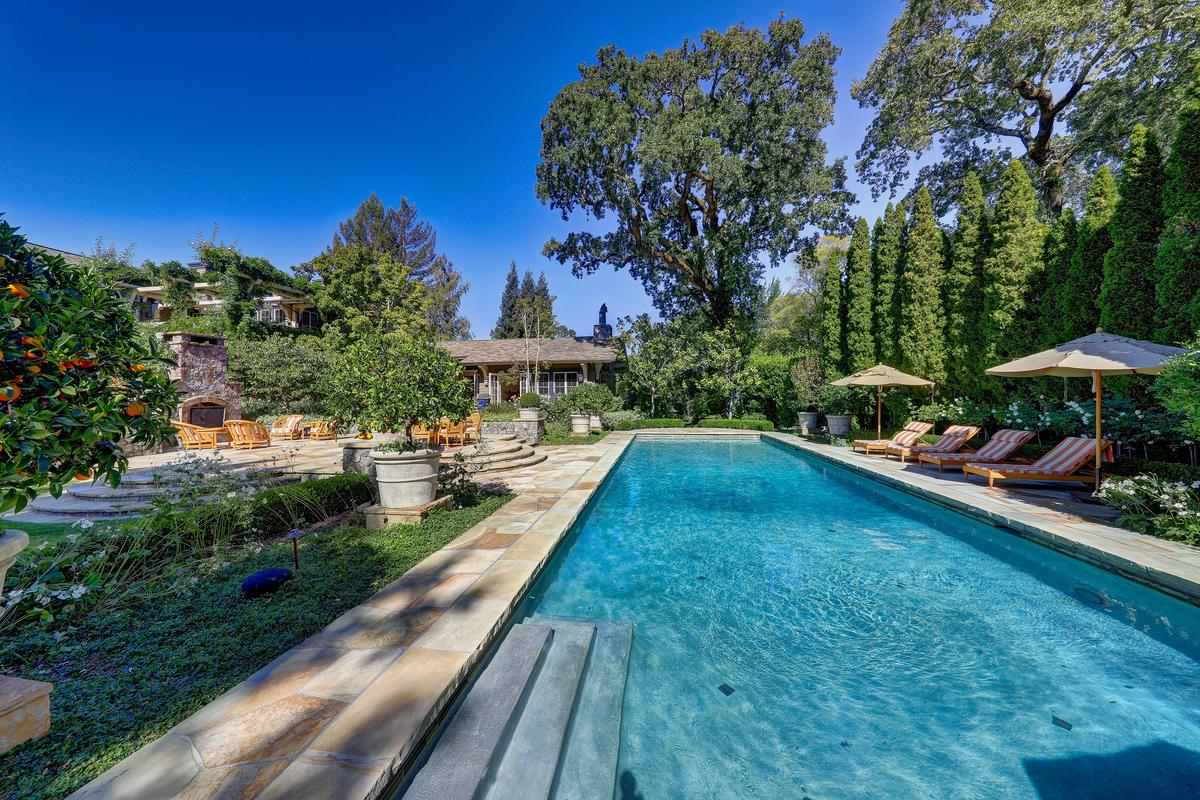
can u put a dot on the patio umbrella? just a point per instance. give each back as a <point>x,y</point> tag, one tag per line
<point>879,376</point>
<point>1093,356</point>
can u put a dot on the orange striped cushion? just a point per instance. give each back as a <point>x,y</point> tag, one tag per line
<point>906,437</point>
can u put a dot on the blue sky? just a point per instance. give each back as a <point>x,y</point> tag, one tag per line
<point>148,123</point>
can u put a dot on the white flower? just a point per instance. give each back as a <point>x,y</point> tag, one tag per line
<point>83,524</point>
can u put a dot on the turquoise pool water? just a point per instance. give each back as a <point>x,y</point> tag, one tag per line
<point>877,646</point>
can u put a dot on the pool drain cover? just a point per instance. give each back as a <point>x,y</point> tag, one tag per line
<point>725,689</point>
<point>1062,723</point>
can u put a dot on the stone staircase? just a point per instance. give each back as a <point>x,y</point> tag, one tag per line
<point>500,454</point>
<point>542,722</point>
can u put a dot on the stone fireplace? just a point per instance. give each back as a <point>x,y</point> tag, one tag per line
<point>208,397</point>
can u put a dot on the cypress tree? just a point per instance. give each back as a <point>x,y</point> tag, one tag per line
<point>1010,268</point>
<point>1057,251</point>
<point>888,258</point>
<point>833,304</point>
<point>922,318</point>
<point>1177,263</point>
<point>964,285</point>
<point>507,325</point>
<point>1127,296</point>
<point>860,344</point>
<point>1079,295</point>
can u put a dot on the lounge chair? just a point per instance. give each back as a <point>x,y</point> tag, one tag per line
<point>193,437</point>
<point>322,430</point>
<point>906,437</point>
<point>997,449</point>
<point>287,427</point>
<point>1060,464</point>
<point>952,440</point>
<point>246,434</point>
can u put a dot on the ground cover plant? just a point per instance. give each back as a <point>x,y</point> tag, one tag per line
<point>124,676</point>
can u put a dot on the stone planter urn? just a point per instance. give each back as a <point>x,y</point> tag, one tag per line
<point>808,421</point>
<point>839,424</point>
<point>595,422</point>
<point>581,424</point>
<point>406,480</point>
<point>11,545</point>
<point>529,414</point>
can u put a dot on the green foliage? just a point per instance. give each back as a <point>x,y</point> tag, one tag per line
<point>401,235</point>
<point>1178,389</point>
<point>1057,250</point>
<point>1154,505</point>
<point>860,342</point>
<point>503,412</point>
<point>1079,301</point>
<point>1127,296</point>
<point>922,318</point>
<point>117,265</point>
<point>242,282</point>
<point>507,325</point>
<point>390,382</point>
<point>724,366</point>
<point>76,379</point>
<point>768,387</point>
<point>658,355</point>
<point>361,289</point>
<point>1177,262</point>
<point>1010,268</point>
<point>179,652</point>
<point>611,419</point>
<point>746,424</point>
<point>279,374</point>
<point>529,400</point>
<point>638,424</point>
<point>964,285</point>
<point>1060,78</point>
<point>1167,470</point>
<point>176,281</point>
<point>833,315</point>
<point>527,308</point>
<point>708,158</point>
<point>566,437</point>
<point>888,262</point>
<point>590,398</point>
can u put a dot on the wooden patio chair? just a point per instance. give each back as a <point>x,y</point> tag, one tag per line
<point>453,430</point>
<point>322,430</point>
<point>193,437</point>
<point>906,437</point>
<point>473,429</point>
<point>1060,464</point>
<point>287,427</point>
<point>953,439</point>
<point>996,450</point>
<point>246,434</point>
<point>426,433</point>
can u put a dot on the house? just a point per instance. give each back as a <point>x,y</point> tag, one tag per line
<point>500,370</point>
<point>281,305</point>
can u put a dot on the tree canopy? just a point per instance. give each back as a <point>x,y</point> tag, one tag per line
<point>527,307</point>
<point>708,158</point>
<point>1059,79</point>
<point>360,288</point>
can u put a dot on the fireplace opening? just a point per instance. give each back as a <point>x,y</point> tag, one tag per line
<point>207,415</point>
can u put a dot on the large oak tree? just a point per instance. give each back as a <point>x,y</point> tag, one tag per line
<point>707,159</point>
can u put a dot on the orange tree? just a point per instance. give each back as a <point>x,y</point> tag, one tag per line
<point>77,378</point>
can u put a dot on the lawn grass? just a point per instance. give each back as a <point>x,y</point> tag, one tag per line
<point>40,531</point>
<point>556,437</point>
<point>124,677</point>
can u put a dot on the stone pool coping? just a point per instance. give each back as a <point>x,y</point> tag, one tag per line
<point>344,713</point>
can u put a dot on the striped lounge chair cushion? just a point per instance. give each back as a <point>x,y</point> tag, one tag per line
<point>1066,457</point>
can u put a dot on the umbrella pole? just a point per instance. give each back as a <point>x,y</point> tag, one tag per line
<point>1098,454</point>
<point>878,412</point>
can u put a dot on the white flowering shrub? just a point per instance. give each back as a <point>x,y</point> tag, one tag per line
<point>1154,505</point>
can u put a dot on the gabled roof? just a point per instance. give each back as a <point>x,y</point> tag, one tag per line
<point>570,350</point>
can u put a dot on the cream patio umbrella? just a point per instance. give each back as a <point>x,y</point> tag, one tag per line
<point>1093,356</point>
<point>879,376</point>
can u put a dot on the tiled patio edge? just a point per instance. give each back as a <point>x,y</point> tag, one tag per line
<point>1171,567</point>
<point>340,714</point>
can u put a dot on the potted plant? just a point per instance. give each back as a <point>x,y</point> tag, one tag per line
<point>390,382</point>
<point>808,383</point>
<point>839,399</point>
<point>586,402</point>
<point>529,407</point>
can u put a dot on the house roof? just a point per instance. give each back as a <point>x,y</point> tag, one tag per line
<point>67,255</point>
<point>571,350</point>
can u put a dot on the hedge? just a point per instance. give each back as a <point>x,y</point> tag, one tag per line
<point>749,424</point>
<point>1167,470</point>
<point>634,424</point>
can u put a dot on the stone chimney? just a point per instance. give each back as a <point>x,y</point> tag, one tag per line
<point>602,331</point>
<point>207,396</point>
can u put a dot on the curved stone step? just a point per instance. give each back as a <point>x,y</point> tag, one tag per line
<point>524,451</point>
<point>88,508</point>
<point>508,466</point>
<point>490,448</point>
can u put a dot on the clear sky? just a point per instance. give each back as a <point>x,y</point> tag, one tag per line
<point>147,123</point>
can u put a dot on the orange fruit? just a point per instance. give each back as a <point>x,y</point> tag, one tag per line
<point>18,290</point>
<point>33,369</point>
<point>83,474</point>
<point>37,340</point>
<point>135,409</point>
<point>10,393</point>
<point>85,362</point>
<point>138,368</point>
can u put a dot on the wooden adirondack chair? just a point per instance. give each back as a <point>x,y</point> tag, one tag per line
<point>246,434</point>
<point>322,430</point>
<point>453,430</point>
<point>287,427</point>
<point>473,429</point>
<point>193,437</point>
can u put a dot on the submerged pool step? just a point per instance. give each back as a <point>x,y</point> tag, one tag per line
<point>459,764</point>
<point>526,768</point>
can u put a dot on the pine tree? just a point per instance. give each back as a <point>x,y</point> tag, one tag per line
<point>964,285</point>
<point>1010,268</point>
<point>922,318</point>
<point>1079,295</point>
<point>1057,251</point>
<point>1127,296</point>
<point>860,344</point>
<point>1177,263</point>
<point>833,305</point>
<point>507,324</point>
<point>888,258</point>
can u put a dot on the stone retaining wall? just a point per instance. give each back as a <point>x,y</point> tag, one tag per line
<point>528,431</point>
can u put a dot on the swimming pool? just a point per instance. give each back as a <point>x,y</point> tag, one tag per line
<point>805,632</point>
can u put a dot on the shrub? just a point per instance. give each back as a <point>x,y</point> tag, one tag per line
<point>748,424</point>
<point>636,424</point>
<point>279,374</point>
<point>1167,470</point>
<point>1154,505</point>
<point>76,376</point>
<point>499,411</point>
<point>611,419</point>
<point>530,400</point>
<point>589,398</point>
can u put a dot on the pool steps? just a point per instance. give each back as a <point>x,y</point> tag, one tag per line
<point>560,723</point>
